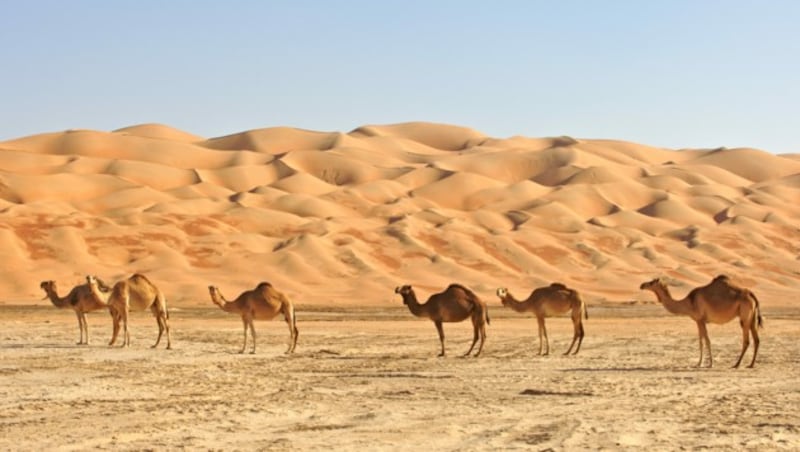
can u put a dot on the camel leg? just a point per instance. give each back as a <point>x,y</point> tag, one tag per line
<point>159,321</point>
<point>165,318</point>
<point>164,314</point>
<point>576,330</point>
<point>115,319</point>
<point>543,333</point>
<point>705,342</point>
<point>578,335</point>
<point>253,334</point>
<point>754,332</point>
<point>85,327</point>
<point>80,327</point>
<point>296,334</point>
<point>745,342</point>
<point>540,324</point>
<point>475,334</point>
<point>441,334</point>
<point>700,339</point>
<point>580,339</point>
<point>244,342</point>
<point>290,320</point>
<point>126,342</point>
<point>126,309</point>
<point>482,328</point>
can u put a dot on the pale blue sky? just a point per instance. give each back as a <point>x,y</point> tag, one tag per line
<point>677,73</point>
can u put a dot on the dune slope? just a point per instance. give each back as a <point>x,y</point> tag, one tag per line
<point>342,218</point>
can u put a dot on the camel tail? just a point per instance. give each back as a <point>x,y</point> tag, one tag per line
<point>294,317</point>
<point>479,307</point>
<point>759,318</point>
<point>584,308</point>
<point>166,309</point>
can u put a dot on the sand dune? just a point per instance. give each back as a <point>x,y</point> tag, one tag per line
<point>328,214</point>
<point>160,132</point>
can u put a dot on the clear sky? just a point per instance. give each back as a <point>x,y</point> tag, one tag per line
<point>677,73</point>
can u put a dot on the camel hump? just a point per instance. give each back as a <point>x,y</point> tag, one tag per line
<point>559,286</point>
<point>265,289</point>
<point>138,278</point>
<point>472,299</point>
<point>459,287</point>
<point>470,294</point>
<point>723,282</point>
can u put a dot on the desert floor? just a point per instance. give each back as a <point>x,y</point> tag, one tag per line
<point>370,379</point>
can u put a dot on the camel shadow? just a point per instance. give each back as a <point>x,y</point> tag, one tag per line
<point>545,392</point>
<point>42,346</point>
<point>632,369</point>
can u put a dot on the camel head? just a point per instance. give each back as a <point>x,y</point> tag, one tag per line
<point>48,287</point>
<point>93,280</point>
<point>216,295</point>
<point>404,290</point>
<point>653,285</point>
<point>503,294</point>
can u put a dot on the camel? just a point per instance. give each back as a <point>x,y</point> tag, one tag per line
<point>454,304</point>
<point>549,301</point>
<point>136,293</point>
<point>718,302</point>
<point>262,303</point>
<point>80,300</point>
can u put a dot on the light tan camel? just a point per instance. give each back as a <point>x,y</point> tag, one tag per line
<point>262,303</point>
<point>549,301</point>
<point>136,293</point>
<point>455,304</point>
<point>80,300</point>
<point>718,302</point>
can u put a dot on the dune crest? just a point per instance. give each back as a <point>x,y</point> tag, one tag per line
<point>324,214</point>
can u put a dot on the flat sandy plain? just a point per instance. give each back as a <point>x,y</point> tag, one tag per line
<point>368,379</point>
<point>336,220</point>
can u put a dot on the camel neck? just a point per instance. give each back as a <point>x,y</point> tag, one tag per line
<point>220,301</point>
<point>679,307</point>
<point>413,305</point>
<point>515,304</point>
<point>56,300</point>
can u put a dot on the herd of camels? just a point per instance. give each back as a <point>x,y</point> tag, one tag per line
<point>720,301</point>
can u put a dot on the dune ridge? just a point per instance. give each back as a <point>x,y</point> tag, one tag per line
<point>342,218</point>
